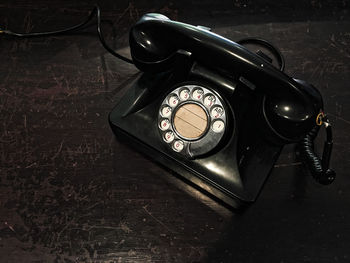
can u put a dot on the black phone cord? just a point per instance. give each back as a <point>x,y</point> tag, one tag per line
<point>95,11</point>
<point>319,168</point>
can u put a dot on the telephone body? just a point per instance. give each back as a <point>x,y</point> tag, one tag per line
<point>209,109</point>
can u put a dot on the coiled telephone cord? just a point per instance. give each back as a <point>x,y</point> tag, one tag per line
<point>319,168</point>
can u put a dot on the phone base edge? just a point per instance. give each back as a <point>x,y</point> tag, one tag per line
<point>220,197</point>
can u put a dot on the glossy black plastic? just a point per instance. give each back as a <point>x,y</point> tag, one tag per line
<point>234,172</point>
<point>265,108</point>
<point>289,111</point>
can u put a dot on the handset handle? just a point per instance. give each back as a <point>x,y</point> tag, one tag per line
<point>155,40</point>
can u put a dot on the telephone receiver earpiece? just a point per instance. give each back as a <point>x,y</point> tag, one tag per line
<point>151,49</point>
<point>290,106</point>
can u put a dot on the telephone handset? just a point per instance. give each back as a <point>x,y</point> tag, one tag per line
<point>155,39</point>
<point>213,111</point>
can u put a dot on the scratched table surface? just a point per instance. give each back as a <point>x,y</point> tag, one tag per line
<point>70,192</point>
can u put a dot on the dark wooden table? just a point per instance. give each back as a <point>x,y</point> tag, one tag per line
<point>69,192</point>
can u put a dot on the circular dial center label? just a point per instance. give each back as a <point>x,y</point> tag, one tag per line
<point>190,121</point>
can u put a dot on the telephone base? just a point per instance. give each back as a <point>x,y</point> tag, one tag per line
<point>234,173</point>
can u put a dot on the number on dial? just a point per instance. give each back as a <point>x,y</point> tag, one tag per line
<point>173,101</point>
<point>178,146</point>
<point>197,94</point>
<point>184,94</point>
<point>166,111</point>
<point>209,100</point>
<point>217,112</point>
<point>169,136</point>
<point>218,126</point>
<point>164,124</point>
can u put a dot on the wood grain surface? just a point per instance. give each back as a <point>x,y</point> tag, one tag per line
<point>190,120</point>
<point>70,192</point>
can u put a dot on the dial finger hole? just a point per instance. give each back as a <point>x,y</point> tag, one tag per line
<point>209,100</point>
<point>216,112</point>
<point>184,94</point>
<point>173,101</point>
<point>218,126</point>
<point>169,136</point>
<point>164,124</point>
<point>197,94</point>
<point>166,111</point>
<point>178,146</point>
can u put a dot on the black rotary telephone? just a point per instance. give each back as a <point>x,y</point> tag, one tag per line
<point>211,110</point>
